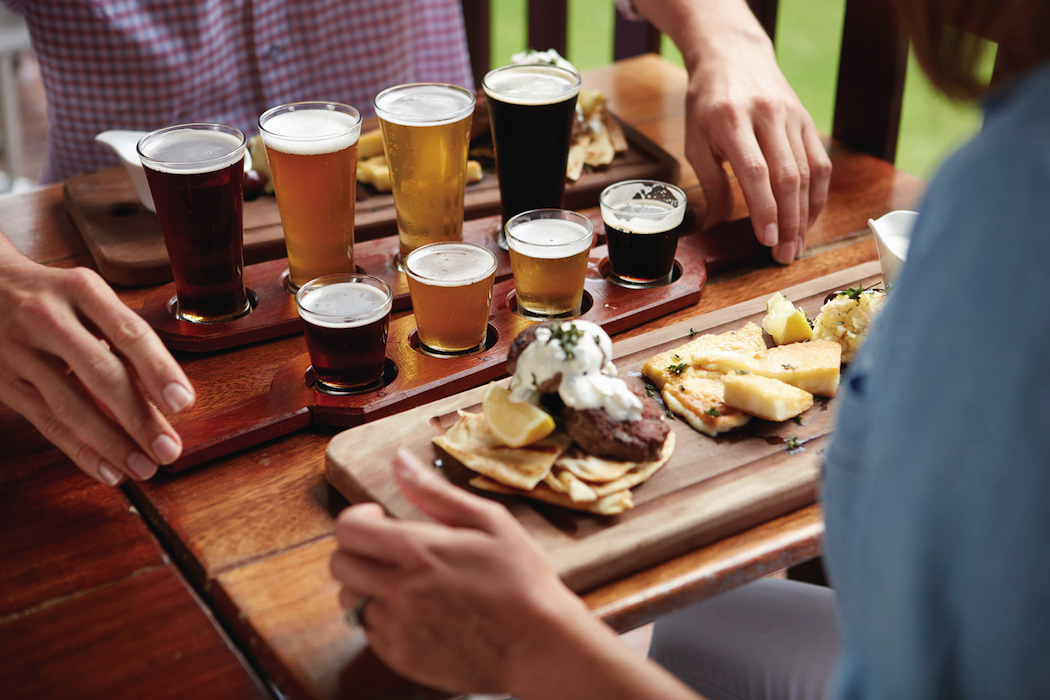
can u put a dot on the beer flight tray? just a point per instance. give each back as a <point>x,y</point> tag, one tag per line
<point>125,241</point>
<point>412,378</point>
<point>274,314</point>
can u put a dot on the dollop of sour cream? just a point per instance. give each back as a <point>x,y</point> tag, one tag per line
<point>588,376</point>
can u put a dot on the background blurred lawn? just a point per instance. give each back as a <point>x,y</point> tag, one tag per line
<point>809,33</point>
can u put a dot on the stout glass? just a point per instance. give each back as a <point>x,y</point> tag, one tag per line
<point>549,250</point>
<point>451,288</point>
<point>196,176</point>
<point>532,109</point>
<point>312,150</point>
<point>426,134</point>
<point>642,219</point>
<point>345,319</point>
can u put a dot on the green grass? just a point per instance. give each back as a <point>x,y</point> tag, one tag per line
<point>808,37</point>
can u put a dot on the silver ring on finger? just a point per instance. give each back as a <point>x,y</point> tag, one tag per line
<point>355,616</point>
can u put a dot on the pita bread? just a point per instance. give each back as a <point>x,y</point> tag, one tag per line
<point>566,482</point>
<point>470,441</point>
<point>641,472</point>
<point>611,504</point>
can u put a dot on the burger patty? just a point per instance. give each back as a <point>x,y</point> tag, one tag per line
<point>622,441</point>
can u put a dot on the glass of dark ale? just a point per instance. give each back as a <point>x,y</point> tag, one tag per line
<point>345,319</point>
<point>642,220</point>
<point>532,109</point>
<point>196,176</point>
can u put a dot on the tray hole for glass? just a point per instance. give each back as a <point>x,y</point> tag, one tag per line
<point>585,305</point>
<point>491,338</point>
<point>253,301</point>
<point>605,268</point>
<point>389,375</point>
<point>123,209</point>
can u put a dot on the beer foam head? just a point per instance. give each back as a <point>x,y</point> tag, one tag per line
<point>531,84</point>
<point>549,238</point>
<point>424,104</point>
<point>450,264</point>
<point>181,150</point>
<point>342,304</point>
<point>310,130</point>
<point>643,206</point>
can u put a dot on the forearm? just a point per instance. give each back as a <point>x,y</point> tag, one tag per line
<point>582,657</point>
<point>703,28</point>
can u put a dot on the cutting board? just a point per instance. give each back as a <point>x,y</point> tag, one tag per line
<point>711,488</point>
<point>125,240</point>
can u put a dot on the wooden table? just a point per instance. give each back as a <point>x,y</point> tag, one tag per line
<point>97,599</point>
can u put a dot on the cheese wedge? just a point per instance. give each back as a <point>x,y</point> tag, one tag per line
<point>698,397</point>
<point>812,366</point>
<point>659,369</point>
<point>763,397</point>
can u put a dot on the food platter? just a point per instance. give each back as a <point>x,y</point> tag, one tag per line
<point>711,487</point>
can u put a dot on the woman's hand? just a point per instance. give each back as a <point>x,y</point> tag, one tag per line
<point>66,343</point>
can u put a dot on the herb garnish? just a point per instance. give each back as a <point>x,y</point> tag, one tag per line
<point>691,332</point>
<point>568,337</point>
<point>713,412</point>
<point>800,419</point>
<point>742,371</point>
<point>788,366</point>
<point>649,390</point>
<point>793,443</point>
<point>677,369</point>
<point>682,389</point>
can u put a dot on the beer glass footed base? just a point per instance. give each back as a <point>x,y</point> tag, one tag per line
<point>446,354</point>
<point>249,304</point>
<point>389,375</point>
<point>628,283</point>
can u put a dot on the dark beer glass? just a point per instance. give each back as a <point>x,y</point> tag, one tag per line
<point>642,219</point>
<point>345,319</point>
<point>196,176</point>
<point>531,109</point>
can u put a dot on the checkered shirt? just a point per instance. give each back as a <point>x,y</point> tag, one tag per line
<point>145,64</point>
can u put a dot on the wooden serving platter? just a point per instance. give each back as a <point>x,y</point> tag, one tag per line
<point>125,240</point>
<point>413,378</point>
<point>711,488</point>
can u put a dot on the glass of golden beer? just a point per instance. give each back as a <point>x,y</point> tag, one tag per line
<point>451,288</point>
<point>312,150</point>
<point>549,250</point>
<point>426,133</point>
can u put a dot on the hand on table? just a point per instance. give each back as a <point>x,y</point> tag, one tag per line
<point>66,341</point>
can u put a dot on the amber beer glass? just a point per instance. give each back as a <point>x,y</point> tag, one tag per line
<point>532,109</point>
<point>549,250</point>
<point>451,288</point>
<point>426,133</point>
<point>642,219</point>
<point>312,150</point>
<point>196,176</point>
<point>345,319</point>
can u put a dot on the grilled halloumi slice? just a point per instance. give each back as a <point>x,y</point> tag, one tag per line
<point>698,397</point>
<point>763,397</point>
<point>667,366</point>
<point>812,366</point>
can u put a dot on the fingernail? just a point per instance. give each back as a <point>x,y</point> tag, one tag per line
<point>166,449</point>
<point>141,465</point>
<point>770,235</point>
<point>110,474</point>
<point>785,253</point>
<point>177,397</point>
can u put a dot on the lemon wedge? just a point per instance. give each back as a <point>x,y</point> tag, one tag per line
<point>784,322</point>
<point>514,424</point>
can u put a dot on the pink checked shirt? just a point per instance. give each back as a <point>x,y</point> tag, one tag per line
<point>145,64</point>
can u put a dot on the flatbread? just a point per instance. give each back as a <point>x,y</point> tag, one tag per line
<point>610,504</point>
<point>562,481</point>
<point>641,472</point>
<point>471,442</point>
<point>596,470</point>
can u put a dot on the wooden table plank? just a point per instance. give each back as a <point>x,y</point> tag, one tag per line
<point>143,637</point>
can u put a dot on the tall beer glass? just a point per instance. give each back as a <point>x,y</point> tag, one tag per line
<point>345,321</point>
<point>549,250</point>
<point>451,288</point>
<point>196,175</point>
<point>426,134</point>
<point>312,150</point>
<point>642,219</point>
<point>532,109</point>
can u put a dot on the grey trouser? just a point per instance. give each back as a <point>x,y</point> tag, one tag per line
<point>768,640</point>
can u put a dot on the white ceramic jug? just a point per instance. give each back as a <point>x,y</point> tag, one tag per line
<point>892,236</point>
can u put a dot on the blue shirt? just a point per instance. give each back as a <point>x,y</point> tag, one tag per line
<point>937,483</point>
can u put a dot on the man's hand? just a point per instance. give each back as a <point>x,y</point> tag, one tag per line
<point>740,109</point>
<point>66,341</point>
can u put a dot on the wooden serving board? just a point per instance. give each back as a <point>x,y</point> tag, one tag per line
<point>711,488</point>
<point>125,240</point>
<point>413,378</point>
